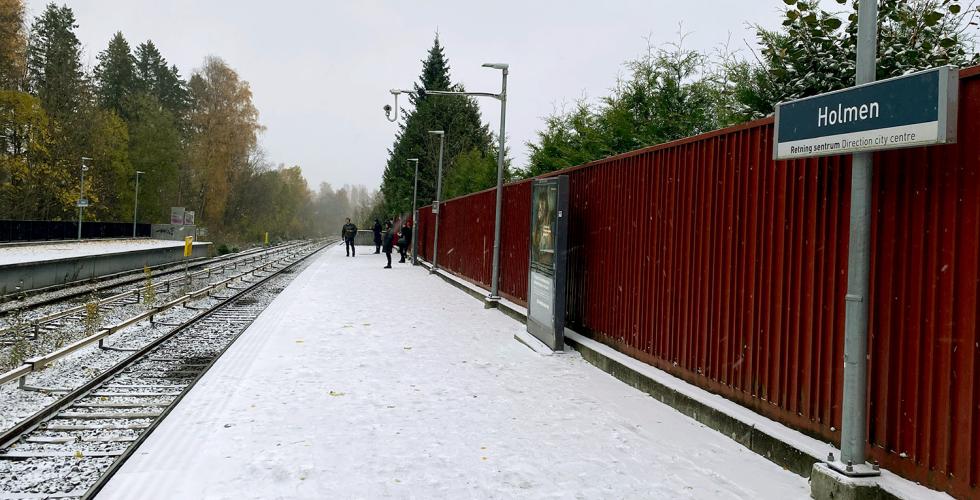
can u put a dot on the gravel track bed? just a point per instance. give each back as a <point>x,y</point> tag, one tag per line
<point>49,476</point>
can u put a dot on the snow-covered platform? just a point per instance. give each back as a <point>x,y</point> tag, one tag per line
<point>360,382</point>
<point>44,264</point>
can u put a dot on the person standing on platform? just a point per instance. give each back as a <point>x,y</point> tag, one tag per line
<point>377,236</point>
<point>349,231</point>
<point>387,243</point>
<point>405,240</point>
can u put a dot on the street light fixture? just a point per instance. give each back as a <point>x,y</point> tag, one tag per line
<point>415,215</point>
<point>435,206</point>
<point>502,97</point>
<point>136,200</point>
<point>392,113</point>
<point>82,202</point>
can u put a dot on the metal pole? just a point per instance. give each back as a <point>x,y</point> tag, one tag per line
<point>415,216</point>
<point>136,201</point>
<point>854,418</point>
<point>81,196</point>
<point>495,279</point>
<point>435,244</point>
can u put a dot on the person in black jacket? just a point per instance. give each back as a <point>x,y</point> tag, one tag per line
<point>387,243</point>
<point>405,241</point>
<point>377,236</point>
<point>349,231</point>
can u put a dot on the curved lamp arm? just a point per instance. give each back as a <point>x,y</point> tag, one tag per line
<point>392,113</point>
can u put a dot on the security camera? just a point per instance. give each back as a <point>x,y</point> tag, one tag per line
<point>387,109</point>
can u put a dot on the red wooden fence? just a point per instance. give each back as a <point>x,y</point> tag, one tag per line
<point>709,260</point>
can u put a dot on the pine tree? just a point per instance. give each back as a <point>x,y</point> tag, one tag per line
<point>163,82</point>
<point>115,76</point>
<point>54,66</point>
<point>459,117</point>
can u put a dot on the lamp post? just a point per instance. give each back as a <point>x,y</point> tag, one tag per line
<point>136,200</point>
<point>415,215</point>
<point>436,208</point>
<point>502,97</point>
<point>82,202</point>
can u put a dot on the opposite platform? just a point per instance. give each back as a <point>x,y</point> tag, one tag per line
<point>39,265</point>
<point>359,382</point>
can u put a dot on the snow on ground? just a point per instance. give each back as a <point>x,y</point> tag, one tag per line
<point>359,382</point>
<point>16,254</point>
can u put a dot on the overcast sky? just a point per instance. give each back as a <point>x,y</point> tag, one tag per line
<point>320,70</point>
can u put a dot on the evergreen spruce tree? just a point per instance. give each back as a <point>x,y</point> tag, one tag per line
<point>458,116</point>
<point>155,78</point>
<point>115,77</point>
<point>54,66</point>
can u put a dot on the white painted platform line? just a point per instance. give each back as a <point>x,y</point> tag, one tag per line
<point>42,251</point>
<point>360,382</point>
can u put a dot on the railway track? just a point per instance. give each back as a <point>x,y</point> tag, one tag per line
<point>22,302</point>
<point>44,321</point>
<point>72,447</point>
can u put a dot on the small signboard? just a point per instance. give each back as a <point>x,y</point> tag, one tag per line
<point>189,218</point>
<point>188,245</point>
<point>907,111</point>
<point>177,215</point>
<point>82,203</point>
<point>546,272</point>
<point>435,206</point>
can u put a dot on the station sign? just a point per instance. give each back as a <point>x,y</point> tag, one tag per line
<point>547,261</point>
<point>913,110</point>
<point>177,215</point>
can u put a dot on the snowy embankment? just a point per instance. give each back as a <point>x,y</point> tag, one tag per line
<point>18,254</point>
<point>359,382</point>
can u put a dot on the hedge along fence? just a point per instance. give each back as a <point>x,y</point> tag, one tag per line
<point>709,260</point>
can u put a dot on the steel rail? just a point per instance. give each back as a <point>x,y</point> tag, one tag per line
<point>31,423</point>
<point>100,285</point>
<point>39,362</point>
<point>37,324</point>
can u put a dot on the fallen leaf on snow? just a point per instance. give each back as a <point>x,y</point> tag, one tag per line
<point>335,393</point>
